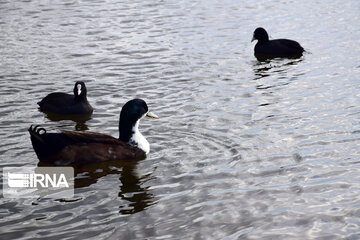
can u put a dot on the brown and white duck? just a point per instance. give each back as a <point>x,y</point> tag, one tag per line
<point>71,147</point>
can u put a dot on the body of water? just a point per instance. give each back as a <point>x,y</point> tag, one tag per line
<point>242,150</point>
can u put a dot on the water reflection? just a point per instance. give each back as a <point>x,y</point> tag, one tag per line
<point>131,189</point>
<point>261,69</point>
<point>267,67</point>
<point>218,149</point>
<point>79,119</point>
<point>81,126</point>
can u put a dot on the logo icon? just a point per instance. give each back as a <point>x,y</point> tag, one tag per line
<point>57,182</point>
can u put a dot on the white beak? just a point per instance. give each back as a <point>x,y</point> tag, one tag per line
<point>79,89</point>
<point>151,115</point>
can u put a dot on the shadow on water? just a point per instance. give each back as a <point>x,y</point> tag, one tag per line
<point>79,119</point>
<point>131,187</point>
<point>267,67</point>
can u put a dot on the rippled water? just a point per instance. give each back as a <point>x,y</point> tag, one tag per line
<point>242,150</point>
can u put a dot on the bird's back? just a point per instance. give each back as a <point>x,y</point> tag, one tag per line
<point>279,48</point>
<point>63,103</point>
<point>70,147</point>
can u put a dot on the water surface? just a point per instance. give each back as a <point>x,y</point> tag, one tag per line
<point>242,150</point>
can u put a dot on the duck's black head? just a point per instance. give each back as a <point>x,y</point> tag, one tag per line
<point>261,35</point>
<point>80,90</point>
<point>130,114</point>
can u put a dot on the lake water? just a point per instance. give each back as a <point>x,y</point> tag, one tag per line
<point>242,150</point>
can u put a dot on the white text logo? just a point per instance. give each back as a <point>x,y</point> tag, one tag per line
<point>24,182</point>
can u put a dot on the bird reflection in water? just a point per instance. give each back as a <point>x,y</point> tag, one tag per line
<point>133,191</point>
<point>266,68</point>
<point>80,120</point>
<point>131,187</point>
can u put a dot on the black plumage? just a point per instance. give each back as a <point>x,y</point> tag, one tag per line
<point>266,48</point>
<point>63,103</point>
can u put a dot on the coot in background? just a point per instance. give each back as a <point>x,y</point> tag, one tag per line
<point>63,103</point>
<point>266,48</point>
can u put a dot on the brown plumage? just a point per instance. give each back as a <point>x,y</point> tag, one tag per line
<point>69,147</point>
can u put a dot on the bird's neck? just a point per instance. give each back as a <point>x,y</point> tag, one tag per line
<point>80,97</point>
<point>264,39</point>
<point>134,137</point>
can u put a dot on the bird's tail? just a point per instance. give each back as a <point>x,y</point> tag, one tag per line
<point>36,132</point>
<point>39,143</point>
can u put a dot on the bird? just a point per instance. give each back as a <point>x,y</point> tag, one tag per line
<point>63,103</point>
<point>78,148</point>
<point>266,48</point>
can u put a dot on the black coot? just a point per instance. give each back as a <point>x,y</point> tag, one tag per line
<point>266,48</point>
<point>63,103</point>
